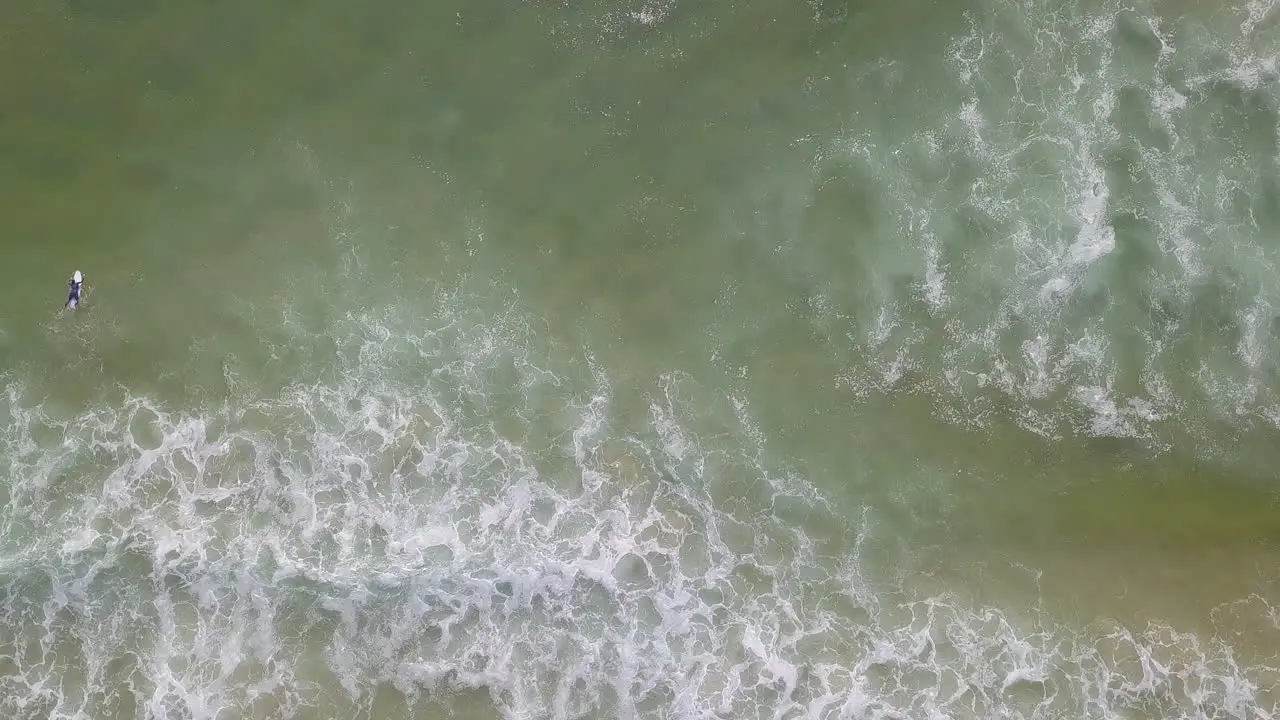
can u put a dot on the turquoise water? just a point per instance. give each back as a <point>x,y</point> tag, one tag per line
<point>640,360</point>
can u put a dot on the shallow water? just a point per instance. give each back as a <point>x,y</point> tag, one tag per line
<point>640,360</point>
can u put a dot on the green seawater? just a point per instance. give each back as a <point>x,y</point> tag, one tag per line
<point>640,359</point>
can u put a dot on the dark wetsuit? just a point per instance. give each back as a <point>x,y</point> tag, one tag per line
<point>73,298</point>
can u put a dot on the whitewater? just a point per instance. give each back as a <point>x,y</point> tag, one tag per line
<point>637,360</point>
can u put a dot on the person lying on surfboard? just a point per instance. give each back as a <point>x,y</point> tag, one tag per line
<point>73,298</point>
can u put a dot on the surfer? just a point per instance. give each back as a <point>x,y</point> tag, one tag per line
<point>73,298</point>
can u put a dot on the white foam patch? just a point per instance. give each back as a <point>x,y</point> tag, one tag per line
<point>935,279</point>
<point>1093,191</point>
<point>1176,240</point>
<point>1257,12</point>
<point>651,13</point>
<point>644,14</point>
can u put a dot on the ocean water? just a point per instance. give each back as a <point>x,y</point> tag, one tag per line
<point>640,359</point>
